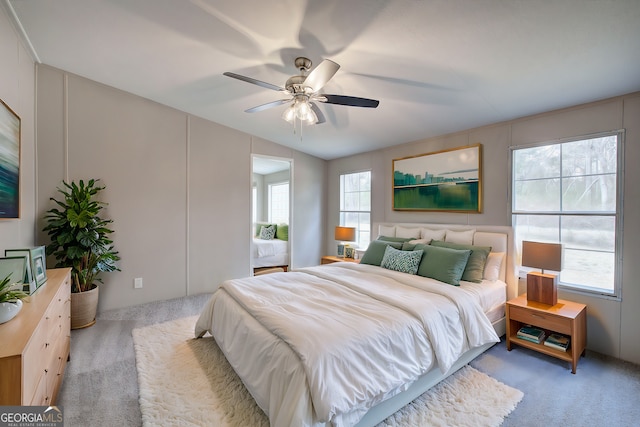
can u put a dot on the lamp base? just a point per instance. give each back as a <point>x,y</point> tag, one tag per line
<point>340,252</point>
<point>542,288</point>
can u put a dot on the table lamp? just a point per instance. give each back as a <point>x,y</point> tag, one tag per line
<point>542,287</point>
<point>343,235</point>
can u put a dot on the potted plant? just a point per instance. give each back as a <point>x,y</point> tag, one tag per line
<point>80,240</point>
<point>11,296</point>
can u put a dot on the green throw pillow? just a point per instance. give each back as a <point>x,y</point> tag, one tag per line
<point>443,264</point>
<point>282,232</point>
<point>394,239</point>
<point>406,246</point>
<point>375,252</point>
<point>399,260</point>
<point>474,271</point>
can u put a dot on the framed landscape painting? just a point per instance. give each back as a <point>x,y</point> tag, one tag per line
<point>9,163</point>
<point>442,181</point>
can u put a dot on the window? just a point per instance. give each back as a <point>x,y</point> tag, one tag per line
<point>355,205</point>
<point>279,203</point>
<point>569,192</point>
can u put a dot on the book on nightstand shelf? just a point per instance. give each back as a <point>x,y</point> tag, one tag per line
<point>557,341</point>
<point>531,333</point>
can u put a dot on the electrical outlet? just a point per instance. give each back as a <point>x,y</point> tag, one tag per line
<point>137,282</point>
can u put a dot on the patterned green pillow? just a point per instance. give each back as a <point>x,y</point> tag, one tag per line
<point>267,233</point>
<point>399,260</point>
<point>260,226</point>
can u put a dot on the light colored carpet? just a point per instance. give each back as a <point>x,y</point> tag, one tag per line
<point>188,382</point>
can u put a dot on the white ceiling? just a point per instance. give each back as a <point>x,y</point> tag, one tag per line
<point>437,66</point>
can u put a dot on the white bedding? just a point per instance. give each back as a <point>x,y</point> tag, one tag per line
<point>361,334</point>
<point>267,248</point>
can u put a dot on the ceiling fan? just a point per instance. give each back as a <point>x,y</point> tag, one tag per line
<point>303,91</point>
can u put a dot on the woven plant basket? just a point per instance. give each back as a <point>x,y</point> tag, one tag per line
<point>84,306</point>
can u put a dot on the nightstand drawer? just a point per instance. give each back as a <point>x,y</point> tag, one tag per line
<point>543,320</point>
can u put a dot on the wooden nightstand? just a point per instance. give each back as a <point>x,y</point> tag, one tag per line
<point>566,317</point>
<point>329,259</point>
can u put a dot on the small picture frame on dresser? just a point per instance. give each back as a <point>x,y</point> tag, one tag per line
<point>39,265</point>
<point>14,267</point>
<point>29,280</point>
<point>349,252</point>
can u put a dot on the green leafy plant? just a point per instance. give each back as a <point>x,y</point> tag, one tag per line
<point>11,292</point>
<point>79,236</point>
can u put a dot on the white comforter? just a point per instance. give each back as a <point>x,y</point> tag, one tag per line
<point>347,336</point>
<point>264,248</point>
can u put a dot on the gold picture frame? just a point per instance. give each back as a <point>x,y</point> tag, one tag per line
<point>441,181</point>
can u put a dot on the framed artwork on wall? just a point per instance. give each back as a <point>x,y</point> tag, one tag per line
<point>442,181</point>
<point>9,163</point>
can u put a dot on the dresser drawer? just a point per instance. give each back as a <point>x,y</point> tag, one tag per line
<point>35,359</point>
<point>543,320</point>
<point>40,397</point>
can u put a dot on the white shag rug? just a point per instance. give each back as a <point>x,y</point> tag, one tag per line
<point>188,382</point>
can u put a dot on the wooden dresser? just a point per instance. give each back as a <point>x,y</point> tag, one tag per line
<point>34,345</point>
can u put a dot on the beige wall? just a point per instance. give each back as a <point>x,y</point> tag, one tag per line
<point>178,186</point>
<point>17,91</point>
<point>612,324</point>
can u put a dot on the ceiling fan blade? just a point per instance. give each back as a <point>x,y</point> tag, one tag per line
<point>320,75</point>
<point>319,114</point>
<point>267,105</point>
<point>254,81</point>
<point>349,100</point>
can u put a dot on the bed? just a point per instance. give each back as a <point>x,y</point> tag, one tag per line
<point>349,344</point>
<point>269,253</point>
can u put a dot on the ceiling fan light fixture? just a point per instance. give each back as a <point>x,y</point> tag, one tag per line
<point>303,91</point>
<point>301,110</point>
<point>311,118</point>
<point>289,114</point>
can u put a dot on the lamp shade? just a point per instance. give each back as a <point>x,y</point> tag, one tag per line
<point>345,234</point>
<point>546,256</point>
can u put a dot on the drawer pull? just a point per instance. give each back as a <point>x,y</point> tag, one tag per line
<point>538,316</point>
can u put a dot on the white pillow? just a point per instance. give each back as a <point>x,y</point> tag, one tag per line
<point>408,233</point>
<point>460,237</point>
<point>385,230</point>
<point>493,265</point>
<point>428,234</point>
<point>416,241</point>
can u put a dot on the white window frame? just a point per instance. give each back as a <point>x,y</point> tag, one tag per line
<point>618,214</point>
<point>270,187</point>
<point>362,229</point>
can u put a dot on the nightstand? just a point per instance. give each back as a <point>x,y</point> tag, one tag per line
<point>566,317</point>
<point>329,259</point>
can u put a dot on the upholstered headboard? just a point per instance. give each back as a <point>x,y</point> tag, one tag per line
<point>500,238</point>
